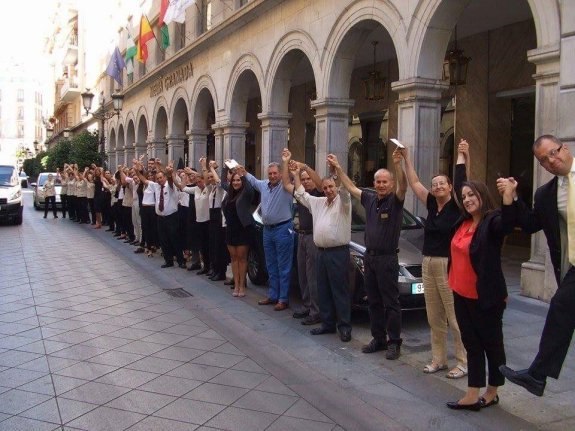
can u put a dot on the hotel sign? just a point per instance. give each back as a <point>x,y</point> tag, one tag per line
<point>181,74</point>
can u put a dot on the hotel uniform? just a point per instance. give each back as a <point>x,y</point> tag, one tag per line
<point>82,201</point>
<point>50,197</point>
<point>64,194</point>
<point>72,198</point>
<point>202,207</point>
<point>217,236</point>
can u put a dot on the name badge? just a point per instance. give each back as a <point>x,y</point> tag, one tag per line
<point>384,216</point>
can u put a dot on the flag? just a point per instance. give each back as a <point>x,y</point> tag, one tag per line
<point>131,52</point>
<point>146,34</point>
<point>177,11</point>
<point>165,34</point>
<point>116,66</point>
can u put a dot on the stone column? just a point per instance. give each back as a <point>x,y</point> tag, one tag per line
<point>537,276</point>
<point>112,160</point>
<point>419,128</point>
<point>234,140</point>
<point>175,148</point>
<point>218,143</point>
<point>197,146</point>
<point>129,154</point>
<point>274,137</point>
<point>158,150</point>
<point>139,149</point>
<point>331,131</point>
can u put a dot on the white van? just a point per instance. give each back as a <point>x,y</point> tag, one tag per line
<point>11,204</point>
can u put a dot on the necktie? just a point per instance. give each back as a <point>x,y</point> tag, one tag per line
<point>214,200</point>
<point>571,217</point>
<point>161,205</point>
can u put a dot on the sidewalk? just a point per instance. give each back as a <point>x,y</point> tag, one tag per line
<point>91,341</point>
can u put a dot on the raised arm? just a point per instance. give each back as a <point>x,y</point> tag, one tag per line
<point>138,169</point>
<point>401,184</point>
<point>212,170</point>
<point>312,174</point>
<point>418,188</point>
<point>286,181</point>
<point>462,169</point>
<point>345,180</point>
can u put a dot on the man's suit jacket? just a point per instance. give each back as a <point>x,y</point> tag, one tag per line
<point>544,215</point>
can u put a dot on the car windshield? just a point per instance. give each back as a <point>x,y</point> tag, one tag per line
<point>42,178</point>
<point>6,175</point>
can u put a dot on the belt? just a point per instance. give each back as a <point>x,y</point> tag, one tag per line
<point>339,247</point>
<point>304,231</point>
<point>271,226</point>
<point>381,252</point>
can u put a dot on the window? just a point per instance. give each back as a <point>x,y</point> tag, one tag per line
<point>206,16</point>
<point>20,130</point>
<point>20,95</point>
<point>20,115</point>
<point>160,53</point>
<point>180,41</point>
<point>243,3</point>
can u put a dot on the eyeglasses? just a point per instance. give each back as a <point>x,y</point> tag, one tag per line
<point>550,155</point>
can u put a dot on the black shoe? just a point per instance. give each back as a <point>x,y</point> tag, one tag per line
<point>322,330</point>
<point>454,405</point>
<point>229,282</point>
<point>210,274</point>
<point>345,335</point>
<point>523,378</point>
<point>300,314</point>
<point>55,216</point>
<point>195,267</point>
<point>374,345</point>
<point>107,230</point>
<point>485,404</point>
<point>182,265</point>
<point>393,351</point>
<point>202,272</point>
<point>311,320</point>
<point>44,217</point>
<point>167,265</point>
<point>218,277</point>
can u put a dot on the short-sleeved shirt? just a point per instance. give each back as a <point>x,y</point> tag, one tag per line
<point>383,221</point>
<point>171,196</point>
<point>462,277</point>
<point>304,216</point>
<point>276,200</point>
<point>81,188</point>
<point>49,188</point>
<point>438,226</point>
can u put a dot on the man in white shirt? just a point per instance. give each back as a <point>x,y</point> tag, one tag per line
<point>331,234</point>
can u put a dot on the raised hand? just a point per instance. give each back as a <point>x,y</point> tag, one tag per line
<point>397,156</point>
<point>333,162</point>
<point>463,148</point>
<point>286,155</point>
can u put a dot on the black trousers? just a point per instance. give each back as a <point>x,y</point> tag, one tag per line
<point>482,336</point>
<point>149,226</point>
<point>82,209</point>
<point>217,242</point>
<point>169,241</point>
<point>92,210</point>
<point>52,201</point>
<point>72,207</point>
<point>183,215</point>
<point>118,219</point>
<point>558,329</point>
<point>383,295</point>
<point>332,266</point>
<point>127,222</point>
<point>107,216</point>
<point>204,242</point>
<point>64,201</point>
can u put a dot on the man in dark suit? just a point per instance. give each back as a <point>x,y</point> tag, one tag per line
<point>553,210</point>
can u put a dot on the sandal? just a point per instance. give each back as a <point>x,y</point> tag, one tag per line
<point>457,373</point>
<point>433,368</point>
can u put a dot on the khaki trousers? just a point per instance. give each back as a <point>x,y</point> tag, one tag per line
<point>440,311</point>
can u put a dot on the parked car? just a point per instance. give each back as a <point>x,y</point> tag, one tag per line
<point>410,259</point>
<point>39,192</point>
<point>23,179</point>
<point>11,204</point>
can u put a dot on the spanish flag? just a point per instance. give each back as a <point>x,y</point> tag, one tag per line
<point>146,34</point>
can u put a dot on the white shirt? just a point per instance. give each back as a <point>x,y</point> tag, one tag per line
<point>201,200</point>
<point>49,188</point>
<point>171,196</point>
<point>216,196</point>
<point>149,196</point>
<point>331,221</point>
<point>81,188</point>
<point>72,187</point>
<point>562,195</point>
<point>128,192</point>
<point>184,199</point>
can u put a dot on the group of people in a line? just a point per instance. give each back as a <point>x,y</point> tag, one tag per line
<point>205,216</point>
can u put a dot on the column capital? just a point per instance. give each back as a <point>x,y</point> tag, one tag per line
<point>197,132</point>
<point>547,60</point>
<point>228,124</point>
<point>156,141</point>
<point>271,118</point>
<point>332,105</point>
<point>175,137</point>
<point>419,88</point>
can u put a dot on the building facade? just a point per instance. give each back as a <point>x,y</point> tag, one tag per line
<point>243,79</point>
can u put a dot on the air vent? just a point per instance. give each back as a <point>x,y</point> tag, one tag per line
<point>177,293</point>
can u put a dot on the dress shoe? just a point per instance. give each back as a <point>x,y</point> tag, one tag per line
<point>485,404</point>
<point>229,282</point>
<point>268,301</point>
<point>218,277</point>
<point>128,241</point>
<point>167,265</point>
<point>210,274</point>
<point>311,320</point>
<point>345,335</point>
<point>195,267</point>
<point>322,330</point>
<point>393,351</point>
<point>300,314</point>
<point>523,378</point>
<point>454,405</point>
<point>374,345</point>
<point>281,306</point>
<point>182,265</point>
<point>202,272</point>
<point>139,250</point>
<point>109,230</point>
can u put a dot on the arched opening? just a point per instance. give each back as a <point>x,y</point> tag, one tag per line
<point>111,162</point>
<point>142,136</point>
<point>130,135</point>
<point>160,148</point>
<point>203,118</point>
<point>178,141</point>
<point>246,104</point>
<point>120,143</point>
<point>356,75</point>
<point>293,89</point>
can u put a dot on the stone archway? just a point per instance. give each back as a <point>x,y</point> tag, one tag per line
<point>158,149</point>
<point>177,139</point>
<point>129,150</point>
<point>201,134</point>
<point>112,150</point>
<point>141,135</point>
<point>120,142</point>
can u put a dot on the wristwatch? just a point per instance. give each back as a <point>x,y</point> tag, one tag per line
<point>334,177</point>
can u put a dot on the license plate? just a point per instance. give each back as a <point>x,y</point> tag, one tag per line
<point>416,288</point>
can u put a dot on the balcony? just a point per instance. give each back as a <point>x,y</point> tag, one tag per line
<point>69,90</point>
<point>71,51</point>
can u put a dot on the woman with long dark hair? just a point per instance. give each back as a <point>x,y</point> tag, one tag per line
<point>236,207</point>
<point>479,289</point>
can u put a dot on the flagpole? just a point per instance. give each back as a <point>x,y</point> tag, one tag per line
<point>157,41</point>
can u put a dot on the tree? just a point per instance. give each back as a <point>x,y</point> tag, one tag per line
<point>84,149</point>
<point>58,155</point>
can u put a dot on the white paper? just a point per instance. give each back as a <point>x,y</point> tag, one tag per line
<point>396,142</point>
<point>231,164</point>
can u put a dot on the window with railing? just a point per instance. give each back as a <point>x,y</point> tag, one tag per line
<point>206,15</point>
<point>243,3</point>
<point>160,52</point>
<point>180,36</point>
<point>20,130</point>
<point>20,113</point>
<point>20,96</point>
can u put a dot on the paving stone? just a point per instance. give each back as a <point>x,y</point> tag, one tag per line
<point>271,384</point>
<point>40,364</point>
<point>106,419</point>
<point>16,401</point>
<point>182,354</point>
<point>196,372</point>
<point>107,342</point>
<point>14,341</point>
<point>304,410</point>
<point>141,402</point>
<point>250,365</point>
<point>284,423</point>
<point>118,359</point>
<point>79,352</point>
<point>169,385</point>
<point>141,347</point>
<point>186,329</point>
<point>217,359</point>
<point>17,423</point>
<point>72,337</point>
<point>131,333</point>
<point>86,370</point>
<point>185,410</point>
<point>228,348</point>
<point>57,364</point>
<point>201,343</point>
<point>43,385</point>
<point>127,378</point>
<point>265,402</point>
<point>13,358</point>
<point>155,424</point>
<point>64,384</point>
<point>95,393</point>
<point>240,379</point>
<point>14,377</point>
<point>219,394</point>
<point>154,365</point>
<point>234,419</point>
<point>165,338</point>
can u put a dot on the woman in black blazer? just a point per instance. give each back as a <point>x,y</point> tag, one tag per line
<point>478,285</point>
<point>236,207</point>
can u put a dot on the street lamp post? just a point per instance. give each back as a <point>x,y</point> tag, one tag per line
<point>99,114</point>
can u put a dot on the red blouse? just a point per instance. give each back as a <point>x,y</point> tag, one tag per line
<point>462,278</point>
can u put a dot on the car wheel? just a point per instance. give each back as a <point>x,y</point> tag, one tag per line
<point>256,268</point>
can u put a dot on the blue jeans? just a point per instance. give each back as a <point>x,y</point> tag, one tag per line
<point>278,247</point>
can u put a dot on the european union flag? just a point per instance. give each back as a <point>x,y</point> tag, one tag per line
<point>116,66</point>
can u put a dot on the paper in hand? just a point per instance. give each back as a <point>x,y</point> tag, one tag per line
<point>231,164</point>
<point>396,142</point>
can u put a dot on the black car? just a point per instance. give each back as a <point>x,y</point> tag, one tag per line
<point>410,258</point>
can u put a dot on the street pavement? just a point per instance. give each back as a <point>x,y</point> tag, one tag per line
<point>92,338</point>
